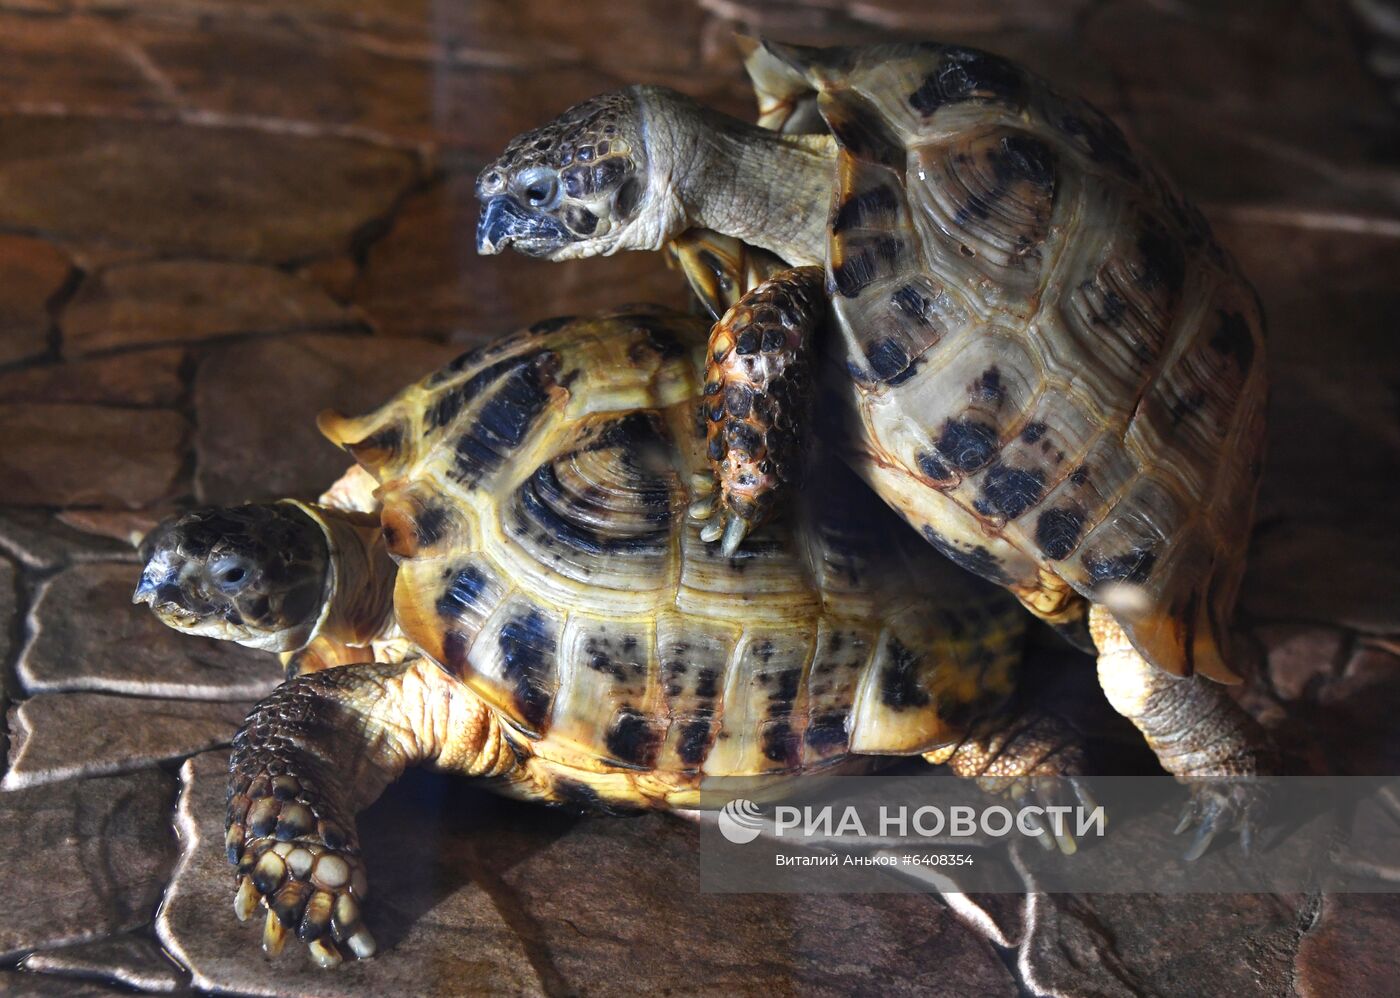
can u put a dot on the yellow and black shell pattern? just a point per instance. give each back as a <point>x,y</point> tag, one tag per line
<point>1058,374</point>
<point>535,492</point>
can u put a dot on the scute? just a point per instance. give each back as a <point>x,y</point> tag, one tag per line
<point>984,224</point>
<point>563,582</point>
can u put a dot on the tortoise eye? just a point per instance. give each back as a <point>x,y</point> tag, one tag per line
<point>540,188</point>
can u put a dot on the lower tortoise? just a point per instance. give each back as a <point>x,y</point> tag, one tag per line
<point>507,586</point>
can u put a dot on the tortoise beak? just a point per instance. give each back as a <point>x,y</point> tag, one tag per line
<point>504,222</point>
<point>145,591</point>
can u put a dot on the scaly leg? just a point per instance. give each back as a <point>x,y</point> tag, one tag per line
<point>314,753</point>
<point>759,382</point>
<point>1031,758</point>
<point>1200,735</point>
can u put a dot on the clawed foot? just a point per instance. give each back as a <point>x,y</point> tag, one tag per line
<point>305,870</point>
<point>1221,805</point>
<point>722,523</point>
<point>1056,796</point>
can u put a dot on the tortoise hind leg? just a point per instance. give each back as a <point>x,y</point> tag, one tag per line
<point>759,383</point>
<point>319,749</point>
<point>1199,734</point>
<point>1033,758</point>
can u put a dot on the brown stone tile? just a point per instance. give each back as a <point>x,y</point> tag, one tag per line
<point>612,888</point>
<point>31,272</point>
<point>27,985</point>
<point>83,859</point>
<point>178,301</point>
<point>73,65</point>
<point>1135,944</point>
<point>132,960</point>
<point>1275,109</point>
<point>1342,573</point>
<point>127,526</point>
<point>87,635</point>
<point>62,736</point>
<point>1331,299</point>
<point>425,277</point>
<point>178,188</point>
<point>256,405</point>
<point>439,932</point>
<point>1300,657</point>
<point>1350,949</point>
<point>147,378</point>
<point>61,454</point>
<point>38,539</point>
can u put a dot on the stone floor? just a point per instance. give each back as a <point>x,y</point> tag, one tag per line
<point>217,219</point>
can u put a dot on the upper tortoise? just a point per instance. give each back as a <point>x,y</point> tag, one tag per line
<point>507,586</point>
<point>1049,366</point>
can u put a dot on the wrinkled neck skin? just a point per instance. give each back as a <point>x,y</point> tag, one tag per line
<point>358,605</point>
<point>715,172</point>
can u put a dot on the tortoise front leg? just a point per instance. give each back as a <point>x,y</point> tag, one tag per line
<point>312,755</point>
<point>759,384</point>
<point>1032,758</point>
<point>1200,735</point>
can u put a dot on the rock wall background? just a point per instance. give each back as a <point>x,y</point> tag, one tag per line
<point>217,218</point>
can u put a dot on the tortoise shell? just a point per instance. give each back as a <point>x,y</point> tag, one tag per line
<point>1059,374</point>
<point>535,492</point>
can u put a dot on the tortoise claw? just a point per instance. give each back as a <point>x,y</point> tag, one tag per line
<point>1225,805</point>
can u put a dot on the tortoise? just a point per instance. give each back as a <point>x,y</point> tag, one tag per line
<point>1042,358</point>
<point>506,585</point>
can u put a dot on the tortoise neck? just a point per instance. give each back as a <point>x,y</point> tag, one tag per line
<point>762,187</point>
<point>360,584</point>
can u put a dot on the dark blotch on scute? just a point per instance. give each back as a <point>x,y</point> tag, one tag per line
<point>1021,157</point>
<point>862,130</point>
<point>504,420</point>
<point>868,208</point>
<point>527,651</point>
<point>912,302</point>
<point>1233,339</point>
<point>968,74</point>
<point>967,444</point>
<point>1033,432</point>
<point>827,732</point>
<point>932,467</point>
<point>694,741</point>
<point>388,440</point>
<point>632,739</point>
<point>429,525</point>
<point>899,686</point>
<point>580,797</point>
<point>1163,263</point>
<point>707,684</point>
<point>781,744</point>
<point>1134,567</point>
<point>462,593</point>
<point>889,361</point>
<point>1009,492</point>
<point>978,560</point>
<point>988,388</point>
<point>864,262</point>
<point>1057,531</point>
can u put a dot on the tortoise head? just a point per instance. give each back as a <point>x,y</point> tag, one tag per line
<point>254,574</point>
<point>583,185</point>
